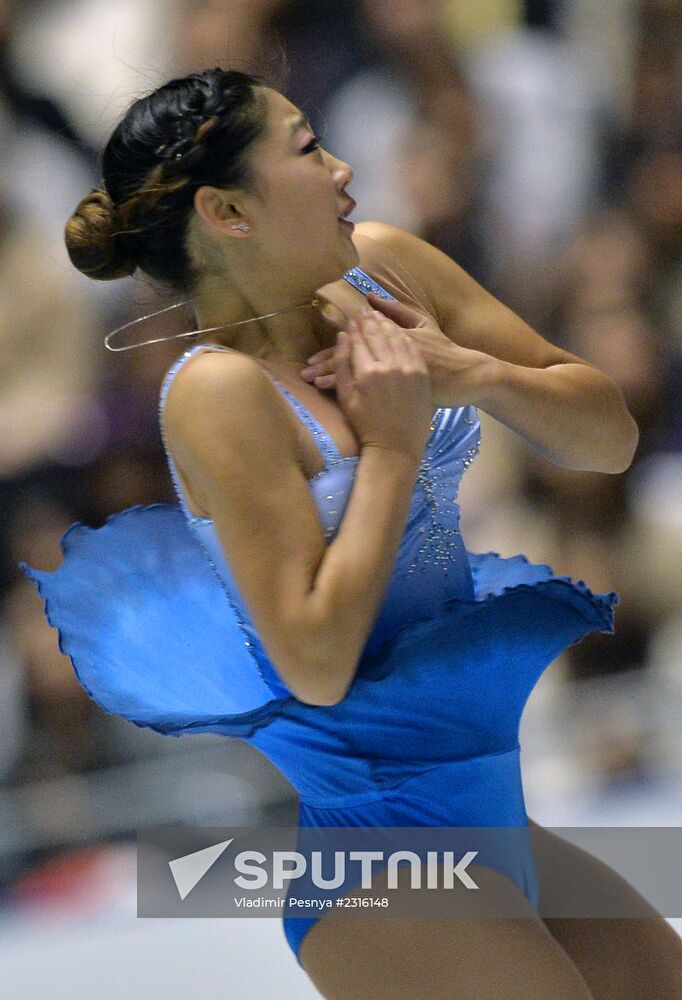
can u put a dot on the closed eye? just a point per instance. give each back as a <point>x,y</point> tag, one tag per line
<point>312,146</point>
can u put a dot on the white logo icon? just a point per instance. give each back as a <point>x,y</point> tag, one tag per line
<point>188,870</point>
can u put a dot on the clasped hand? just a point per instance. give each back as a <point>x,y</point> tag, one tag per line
<point>453,369</point>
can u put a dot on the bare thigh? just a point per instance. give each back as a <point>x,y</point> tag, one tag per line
<point>635,958</point>
<point>362,957</point>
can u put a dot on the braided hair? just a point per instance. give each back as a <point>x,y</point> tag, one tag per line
<point>191,131</point>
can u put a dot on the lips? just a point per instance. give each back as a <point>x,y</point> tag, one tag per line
<point>350,207</point>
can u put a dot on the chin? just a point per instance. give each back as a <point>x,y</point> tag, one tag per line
<point>344,261</point>
<point>354,254</point>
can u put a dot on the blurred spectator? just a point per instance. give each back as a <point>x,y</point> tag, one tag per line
<point>655,113</point>
<point>49,357</point>
<point>603,309</point>
<point>325,44</point>
<point>13,723</point>
<point>229,33</point>
<point>65,735</point>
<point>31,107</point>
<point>415,156</point>
<point>537,147</point>
<point>655,192</point>
<point>472,24</point>
<point>544,108</point>
<point>91,57</point>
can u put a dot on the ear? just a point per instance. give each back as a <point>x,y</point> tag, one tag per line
<point>215,207</point>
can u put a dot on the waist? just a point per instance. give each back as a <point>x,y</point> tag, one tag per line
<point>451,783</point>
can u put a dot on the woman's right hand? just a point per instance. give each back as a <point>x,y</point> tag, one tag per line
<point>383,385</point>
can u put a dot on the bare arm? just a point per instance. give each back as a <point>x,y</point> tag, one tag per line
<point>313,605</point>
<point>564,407</point>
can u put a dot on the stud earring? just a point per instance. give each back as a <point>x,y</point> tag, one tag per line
<point>242,225</point>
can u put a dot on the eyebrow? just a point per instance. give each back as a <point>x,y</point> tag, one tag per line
<point>299,122</point>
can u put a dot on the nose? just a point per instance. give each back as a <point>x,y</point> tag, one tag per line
<point>343,173</point>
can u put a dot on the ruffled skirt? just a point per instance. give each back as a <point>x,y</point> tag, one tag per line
<point>152,637</point>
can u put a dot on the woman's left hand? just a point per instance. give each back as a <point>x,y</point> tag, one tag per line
<point>450,366</point>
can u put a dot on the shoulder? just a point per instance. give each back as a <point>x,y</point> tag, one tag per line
<point>220,399</point>
<point>438,280</point>
<point>379,239</point>
<point>209,377</point>
<point>381,232</point>
<point>412,252</point>
<point>464,310</point>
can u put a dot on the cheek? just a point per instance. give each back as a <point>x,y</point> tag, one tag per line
<point>313,191</point>
<point>309,223</point>
<point>305,211</point>
<point>297,201</point>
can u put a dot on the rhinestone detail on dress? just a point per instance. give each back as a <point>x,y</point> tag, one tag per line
<point>364,283</point>
<point>441,537</point>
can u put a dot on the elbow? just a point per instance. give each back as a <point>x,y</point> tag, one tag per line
<point>617,430</point>
<point>319,694</point>
<point>327,656</point>
<point>319,700</point>
<point>634,442</point>
<point>629,449</point>
<point>617,450</point>
<point>319,673</point>
<point>628,435</point>
<point>327,681</point>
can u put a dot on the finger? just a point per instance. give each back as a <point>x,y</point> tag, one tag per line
<point>321,368</point>
<point>414,353</point>
<point>400,345</point>
<point>407,351</point>
<point>397,311</point>
<point>344,374</point>
<point>362,354</point>
<point>378,332</point>
<point>320,356</point>
<point>347,355</point>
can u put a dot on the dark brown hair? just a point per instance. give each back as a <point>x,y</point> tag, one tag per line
<point>191,131</point>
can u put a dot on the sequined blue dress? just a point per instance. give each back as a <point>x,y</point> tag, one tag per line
<point>428,734</point>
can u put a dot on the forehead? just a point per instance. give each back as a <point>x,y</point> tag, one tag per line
<point>284,118</point>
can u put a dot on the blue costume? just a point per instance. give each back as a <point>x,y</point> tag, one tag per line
<point>148,611</point>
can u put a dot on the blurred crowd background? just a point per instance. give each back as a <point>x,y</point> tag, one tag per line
<point>537,143</point>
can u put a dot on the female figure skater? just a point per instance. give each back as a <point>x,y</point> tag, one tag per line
<point>313,595</point>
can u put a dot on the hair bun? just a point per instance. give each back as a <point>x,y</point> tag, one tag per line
<point>93,239</point>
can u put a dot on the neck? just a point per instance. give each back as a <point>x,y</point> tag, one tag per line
<point>290,337</point>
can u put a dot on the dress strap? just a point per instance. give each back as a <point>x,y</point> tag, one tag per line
<point>325,444</point>
<point>330,453</point>
<point>364,283</point>
<point>177,365</point>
